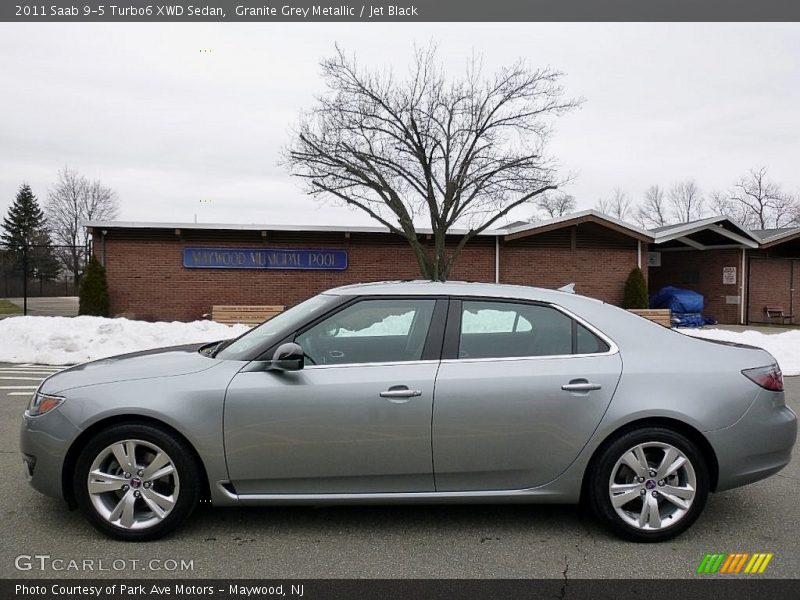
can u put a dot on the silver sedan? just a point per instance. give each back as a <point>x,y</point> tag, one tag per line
<point>416,392</point>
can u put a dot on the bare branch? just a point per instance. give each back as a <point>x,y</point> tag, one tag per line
<point>555,205</point>
<point>460,152</point>
<point>686,201</point>
<point>618,205</point>
<point>653,211</point>
<point>763,204</point>
<point>72,201</point>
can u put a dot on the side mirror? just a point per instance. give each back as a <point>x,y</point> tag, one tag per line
<point>288,357</point>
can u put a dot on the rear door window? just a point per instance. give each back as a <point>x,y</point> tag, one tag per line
<point>495,329</point>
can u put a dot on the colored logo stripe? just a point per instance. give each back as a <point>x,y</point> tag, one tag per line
<point>711,562</point>
<point>735,562</point>
<point>758,563</point>
<point>722,562</point>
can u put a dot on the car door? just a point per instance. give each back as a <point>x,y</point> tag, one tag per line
<point>355,419</point>
<point>520,390</point>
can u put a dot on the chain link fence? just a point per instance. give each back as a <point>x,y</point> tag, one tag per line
<point>40,272</point>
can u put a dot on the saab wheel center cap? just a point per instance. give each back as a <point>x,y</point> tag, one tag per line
<point>136,482</point>
<point>650,484</point>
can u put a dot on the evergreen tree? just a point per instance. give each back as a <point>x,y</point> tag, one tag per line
<point>23,222</point>
<point>26,238</point>
<point>93,297</point>
<point>635,290</point>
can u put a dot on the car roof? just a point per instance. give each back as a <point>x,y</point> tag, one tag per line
<point>456,288</point>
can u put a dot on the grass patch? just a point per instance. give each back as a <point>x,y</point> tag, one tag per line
<point>9,308</point>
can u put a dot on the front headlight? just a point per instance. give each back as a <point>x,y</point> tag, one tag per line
<point>43,403</point>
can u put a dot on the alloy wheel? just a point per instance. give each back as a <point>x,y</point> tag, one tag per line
<point>652,486</point>
<point>133,484</point>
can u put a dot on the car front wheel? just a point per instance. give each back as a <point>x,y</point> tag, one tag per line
<point>649,485</point>
<point>136,481</point>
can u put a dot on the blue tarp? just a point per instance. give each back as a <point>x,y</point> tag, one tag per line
<point>679,301</point>
<point>686,306</point>
<point>690,320</point>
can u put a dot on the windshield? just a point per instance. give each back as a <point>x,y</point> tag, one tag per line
<point>267,333</point>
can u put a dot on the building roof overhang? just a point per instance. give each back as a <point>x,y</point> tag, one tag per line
<point>584,216</point>
<point>144,225</point>
<point>705,234</point>
<point>780,238</point>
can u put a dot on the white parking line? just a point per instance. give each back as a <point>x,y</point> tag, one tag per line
<point>23,378</point>
<point>18,387</point>
<point>10,371</point>
<point>18,394</point>
<point>21,368</point>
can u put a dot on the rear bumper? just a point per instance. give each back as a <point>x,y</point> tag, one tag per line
<point>757,445</point>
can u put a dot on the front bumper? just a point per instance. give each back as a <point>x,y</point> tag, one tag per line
<point>757,445</point>
<point>44,442</point>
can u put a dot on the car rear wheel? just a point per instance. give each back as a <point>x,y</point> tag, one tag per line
<point>649,485</point>
<point>136,481</point>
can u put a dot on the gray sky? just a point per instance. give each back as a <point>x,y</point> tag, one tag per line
<point>140,107</point>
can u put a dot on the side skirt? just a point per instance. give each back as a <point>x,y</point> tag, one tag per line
<point>533,496</point>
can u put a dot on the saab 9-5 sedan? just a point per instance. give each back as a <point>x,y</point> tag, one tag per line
<point>416,392</point>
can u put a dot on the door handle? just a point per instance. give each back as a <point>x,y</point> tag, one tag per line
<point>400,392</point>
<point>580,385</point>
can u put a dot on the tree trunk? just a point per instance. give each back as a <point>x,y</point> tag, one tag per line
<point>426,267</point>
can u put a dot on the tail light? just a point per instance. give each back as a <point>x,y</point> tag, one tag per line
<point>770,378</point>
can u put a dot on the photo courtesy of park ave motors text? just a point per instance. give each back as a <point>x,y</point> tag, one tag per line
<point>344,298</point>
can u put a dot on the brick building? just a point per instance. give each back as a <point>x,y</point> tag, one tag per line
<point>773,276</point>
<point>174,271</point>
<point>709,257</point>
<point>741,273</point>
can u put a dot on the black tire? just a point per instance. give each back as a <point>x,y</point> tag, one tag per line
<point>600,480</point>
<point>182,459</point>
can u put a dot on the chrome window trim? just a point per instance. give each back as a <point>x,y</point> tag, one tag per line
<point>393,363</point>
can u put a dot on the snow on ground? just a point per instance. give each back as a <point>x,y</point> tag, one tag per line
<point>785,346</point>
<point>71,340</point>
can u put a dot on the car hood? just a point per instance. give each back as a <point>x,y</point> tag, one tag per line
<point>148,364</point>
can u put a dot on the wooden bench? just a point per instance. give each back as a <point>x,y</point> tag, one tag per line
<point>777,312</point>
<point>246,315</point>
<point>662,316</point>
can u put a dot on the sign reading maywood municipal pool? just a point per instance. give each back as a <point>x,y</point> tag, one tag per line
<point>264,258</point>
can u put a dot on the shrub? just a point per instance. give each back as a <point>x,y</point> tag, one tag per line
<point>93,296</point>
<point>635,290</point>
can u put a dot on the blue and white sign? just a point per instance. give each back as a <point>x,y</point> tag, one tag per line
<point>265,258</point>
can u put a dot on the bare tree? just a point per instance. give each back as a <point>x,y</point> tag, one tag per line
<point>618,205</point>
<point>686,201</point>
<point>457,153</point>
<point>555,205</point>
<point>72,201</point>
<point>763,203</point>
<point>653,211</point>
<point>720,203</point>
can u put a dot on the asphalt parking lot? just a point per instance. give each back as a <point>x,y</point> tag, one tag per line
<point>384,542</point>
<point>55,306</point>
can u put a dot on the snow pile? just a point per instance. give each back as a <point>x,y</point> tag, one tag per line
<point>785,346</point>
<point>71,340</point>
